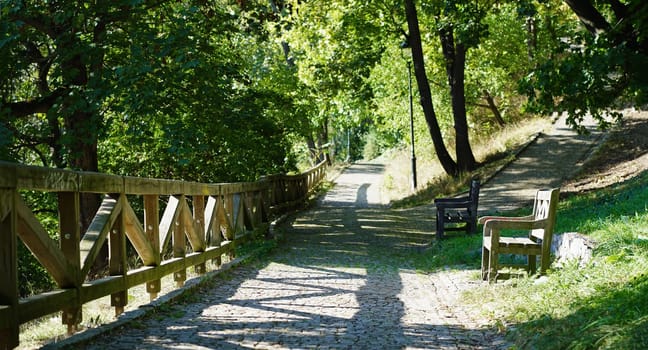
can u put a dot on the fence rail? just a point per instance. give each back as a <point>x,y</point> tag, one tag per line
<point>182,224</point>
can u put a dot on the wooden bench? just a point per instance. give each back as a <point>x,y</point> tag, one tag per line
<point>461,210</point>
<point>537,243</point>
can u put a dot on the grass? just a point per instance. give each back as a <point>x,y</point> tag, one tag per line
<point>603,305</point>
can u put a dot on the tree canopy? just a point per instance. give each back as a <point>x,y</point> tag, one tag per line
<point>230,90</point>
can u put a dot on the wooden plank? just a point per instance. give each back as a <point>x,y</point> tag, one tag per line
<point>97,232</point>
<point>117,259</point>
<point>152,223</point>
<point>238,187</point>
<point>140,186</point>
<point>44,249</point>
<point>100,183</point>
<point>199,228</point>
<point>225,217</point>
<point>199,217</point>
<point>193,259</point>
<point>210,217</point>
<point>7,175</point>
<point>152,226</point>
<point>143,275</point>
<point>47,303</point>
<point>200,189</point>
<point>240,219</point>
<point>213,227</point>
<point>179,242</point>
<point>69,236</point>
<point>136,235</point>
<point>46,179</point>
<point>69,229</point>
<point>195,236</point>
<point>8,270</point>
<point>102,287</point>
<point>179,247</point>
<point>249,208</point>
<point>168,222</point>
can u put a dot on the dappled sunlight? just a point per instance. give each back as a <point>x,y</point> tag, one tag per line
<point>343,275</point>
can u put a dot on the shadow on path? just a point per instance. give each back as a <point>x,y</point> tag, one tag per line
<point>341,280</point>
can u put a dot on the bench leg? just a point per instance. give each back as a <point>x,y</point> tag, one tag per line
<point>485,263</point>
<point>471,227</point>
<point>544,263</point>
<point>493,265</point>
<point>439,224</point>
<point>532,264</point>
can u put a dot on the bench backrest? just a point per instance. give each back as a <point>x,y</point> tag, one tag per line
<point>544,207</point>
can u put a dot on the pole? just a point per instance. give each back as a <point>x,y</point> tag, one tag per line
<point>411,110</point>
<point>348,158</point>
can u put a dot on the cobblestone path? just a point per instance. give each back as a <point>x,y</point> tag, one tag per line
<point>339,282</point>
<point>342,278</point>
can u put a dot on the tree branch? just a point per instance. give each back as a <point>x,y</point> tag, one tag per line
<point>38,105</point>
<point>591,18</point>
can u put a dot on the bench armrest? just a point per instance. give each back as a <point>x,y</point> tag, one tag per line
<point>483,219</point>
<point>514,224</point>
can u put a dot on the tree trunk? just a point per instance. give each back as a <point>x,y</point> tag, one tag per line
<point>285,47</point>
<point>82,127</point>
<point>588,15</point>
<point>455,59</point>
<point>493,107</point>
<point>532,38</point>
<point>414,40</point>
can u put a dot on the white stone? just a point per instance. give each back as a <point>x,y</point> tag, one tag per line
<point>572,246</point>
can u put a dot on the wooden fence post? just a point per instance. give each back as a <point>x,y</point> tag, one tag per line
<point>9,329</point>
<point>70,235</point>
<point>117,259</point>
<point>179,242</point>
<point>152,226</point>
<point>199,224</point>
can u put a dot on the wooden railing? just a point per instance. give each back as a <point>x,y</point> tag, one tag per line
<point>211,218</point>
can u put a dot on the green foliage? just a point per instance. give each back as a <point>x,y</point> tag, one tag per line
<point>374,146</point>
<point>32,276</point>
<point>593,74</point>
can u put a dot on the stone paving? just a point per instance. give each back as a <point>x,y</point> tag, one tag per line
<point>556,155</point>
<point>340,280</point>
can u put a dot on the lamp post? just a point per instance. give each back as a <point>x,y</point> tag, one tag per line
<point>407,54</point>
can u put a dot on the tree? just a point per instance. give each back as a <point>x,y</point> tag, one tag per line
<point>598,66</point>
<point>154,88</point>
<point>52,80</point>
<point>459,27</point>
<point>334,46</point>
<point>414,41</point>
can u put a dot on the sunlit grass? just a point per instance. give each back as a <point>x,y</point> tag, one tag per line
<point>602,305</point>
